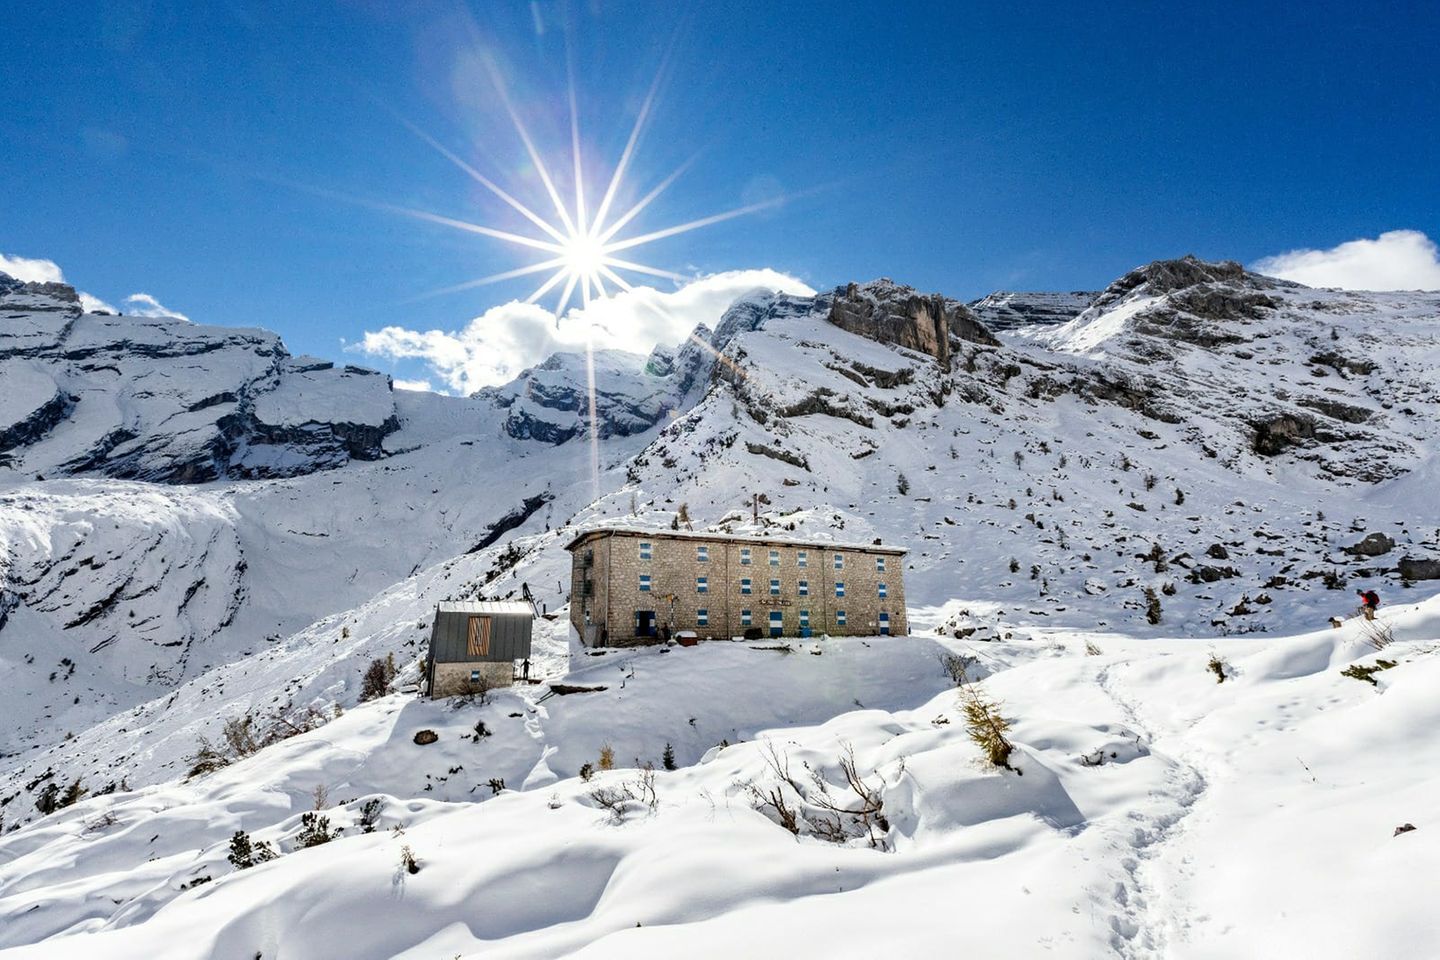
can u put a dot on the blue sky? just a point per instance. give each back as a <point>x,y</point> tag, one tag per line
<point>228,163</point>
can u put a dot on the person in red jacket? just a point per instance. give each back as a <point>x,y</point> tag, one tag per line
<point>1369,600</point>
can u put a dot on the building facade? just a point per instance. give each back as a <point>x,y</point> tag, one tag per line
<point>475,645</point>
<point>627,586</point>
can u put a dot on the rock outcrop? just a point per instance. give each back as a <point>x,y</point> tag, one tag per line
<point>166,400</point>
<point>892,313</point>
<point>1008,310</point>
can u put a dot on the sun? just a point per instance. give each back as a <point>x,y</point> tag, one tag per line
<point>581,244</point>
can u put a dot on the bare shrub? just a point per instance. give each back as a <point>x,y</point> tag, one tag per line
<point>248,734</point>
<point>1377,633</point>
<point>1217,667</point>
<point>1091,650</point>
<point>408,861</point>
<point>957,667</point>
<point>814,807</point>
<point>607,757</point>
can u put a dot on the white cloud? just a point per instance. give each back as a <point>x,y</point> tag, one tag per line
<point>144,305</point>
<point>1396,260</point>
<point>30,270</point>
<point>418,385</point>
<point>494,347</point>
<point>95,304</point>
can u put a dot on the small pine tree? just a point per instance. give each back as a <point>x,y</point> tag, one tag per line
<point>1152,605</point>
<point>667,759</point>
<point>987,727</point>
<point>375,681</point>
<point>607,757</point>
<point>315,830</point>
<point>46,803</point>
<point>902,484</point>
<point>74,791</point>
<point>244,853</point>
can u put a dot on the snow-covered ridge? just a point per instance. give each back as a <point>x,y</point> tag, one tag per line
<point>163,399</point>
<point>1006,310</point>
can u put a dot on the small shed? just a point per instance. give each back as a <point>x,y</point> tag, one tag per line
<point>474,645</point>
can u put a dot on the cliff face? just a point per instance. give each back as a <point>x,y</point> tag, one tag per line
<point>893,313</point>
<point>166,400</point>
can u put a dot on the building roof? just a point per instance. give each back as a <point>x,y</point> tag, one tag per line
<point>514,607</point>
<point>759,539</point>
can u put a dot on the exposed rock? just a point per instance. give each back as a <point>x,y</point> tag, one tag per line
<point>1275,435</point>
<point>1217,551</point>
<point>1209,574</point>
<point>169,401</point>
<point>1006,310</point>
<point>1416,568</point>
<point>1374,545</point>
<point>784,456</point>
<point>892,313</point>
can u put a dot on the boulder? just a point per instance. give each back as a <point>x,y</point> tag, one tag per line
<point>1374,545</point>
<point>1415,568</point>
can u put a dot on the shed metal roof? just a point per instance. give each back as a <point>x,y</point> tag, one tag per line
<point>492,607</point>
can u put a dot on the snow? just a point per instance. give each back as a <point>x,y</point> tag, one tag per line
<point>27,389</point>
<point>1050,483</point>
<point>1220,819</point>
<point>307,394</point>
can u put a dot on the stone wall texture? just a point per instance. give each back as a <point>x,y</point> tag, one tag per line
<point>804,592</point>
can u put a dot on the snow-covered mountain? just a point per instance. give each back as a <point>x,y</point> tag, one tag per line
<point>1007,310</point>
<point>1194,452</point>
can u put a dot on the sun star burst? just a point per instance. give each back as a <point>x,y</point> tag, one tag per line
<point>582,248</point>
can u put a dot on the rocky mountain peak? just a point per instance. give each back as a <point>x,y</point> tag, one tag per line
<point>890,312</point>
<point>34,296</point>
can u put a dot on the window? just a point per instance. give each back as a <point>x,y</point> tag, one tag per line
<point>774,588</point>
<point>803,588</point>
<point>881,588</point>
<point>744,618</point>
<point>879,564</point>
<point>644,583</point>
<point>702,585</point>
<point>479,637</point>
<point>702,617</point>
<point>884,624</point>
<point>777,623</point>
<point>745,556</point>
<point>839,588</point>
<point>839,561</point>
<point>744,584</point>
<point>804,618</point>
<point>802,558</point>
<point>702,553</point>
<point>474,676</point>
<point>774,558</point>
<point>840,618</point>
<point>646,549</point>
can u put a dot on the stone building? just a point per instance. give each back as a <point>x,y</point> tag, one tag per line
<point>627,586</point>
<point>475,645</point>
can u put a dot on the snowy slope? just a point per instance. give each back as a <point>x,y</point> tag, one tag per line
<point>1200,447</point>
<point>1140,820</point>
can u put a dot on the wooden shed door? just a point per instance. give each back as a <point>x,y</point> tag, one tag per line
<point>479,645</point>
